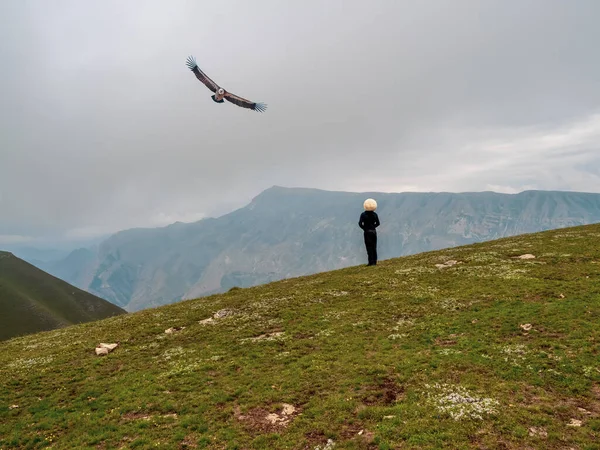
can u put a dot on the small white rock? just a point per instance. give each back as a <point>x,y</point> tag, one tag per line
<point>575,423</point>
<point>173,330</point>
<point>110,347</point>
<point>526,256</point>
<point>104,349</point>
<point>101,351</point>
<point>449,263</point>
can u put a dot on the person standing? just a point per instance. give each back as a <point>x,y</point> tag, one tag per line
<point>368,222</point>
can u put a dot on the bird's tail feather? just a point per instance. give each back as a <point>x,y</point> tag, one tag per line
<point>260,107</point>
<point>191,62</point>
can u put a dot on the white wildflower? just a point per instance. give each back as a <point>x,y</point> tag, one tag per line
<point>325,333</point>
<point>459,403</point>
<point>449,351</point>
<point>335,293</point>
<point>397,336</point>
<point>25,363</point>
<point>330,444</point>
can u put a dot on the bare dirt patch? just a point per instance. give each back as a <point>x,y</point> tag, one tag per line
<point>448,341</point>
<point>594,404</point>
<point>267,420</point>
<point>314,438</point>
<point>136,416</point>
<point>387,392</point>
<point>445,342</point>
<point>566,409</point>
<point>357,433</point>
<point>188,442</point>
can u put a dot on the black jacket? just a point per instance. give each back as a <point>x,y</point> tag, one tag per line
<point>369,220</point>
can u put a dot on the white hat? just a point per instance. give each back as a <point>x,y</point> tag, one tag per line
<point>370,204</point>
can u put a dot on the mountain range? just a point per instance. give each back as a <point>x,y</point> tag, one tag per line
<point>286,232</point>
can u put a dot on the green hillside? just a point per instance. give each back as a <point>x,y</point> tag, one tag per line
<point>492,351</point>
<point>32,300</point>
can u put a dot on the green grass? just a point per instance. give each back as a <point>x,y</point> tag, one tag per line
<point>32,300</point>
<point>402,355</point>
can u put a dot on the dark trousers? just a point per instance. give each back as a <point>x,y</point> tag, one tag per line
<point>371,244</point>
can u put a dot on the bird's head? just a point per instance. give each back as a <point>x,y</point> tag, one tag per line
<point>221,91</point>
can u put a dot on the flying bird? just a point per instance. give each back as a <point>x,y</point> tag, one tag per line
<point>219,92</point>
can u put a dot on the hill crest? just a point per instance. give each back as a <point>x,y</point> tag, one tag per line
<point>32,300</point>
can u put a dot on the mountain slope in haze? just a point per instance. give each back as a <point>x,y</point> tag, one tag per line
<point>77,267</point>
<point>485,351</point>
<point>32,300</point>
<point>289,232</point>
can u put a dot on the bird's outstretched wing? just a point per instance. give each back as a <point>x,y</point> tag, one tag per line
<point>236,100</point>
<point>210,84</point>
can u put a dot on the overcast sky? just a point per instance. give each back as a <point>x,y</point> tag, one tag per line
<point>103,127</point>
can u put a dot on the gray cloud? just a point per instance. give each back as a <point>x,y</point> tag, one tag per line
<point>103,127</point>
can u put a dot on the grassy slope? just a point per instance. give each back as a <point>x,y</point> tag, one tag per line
<point>406,354</point>
<point>32,300</point>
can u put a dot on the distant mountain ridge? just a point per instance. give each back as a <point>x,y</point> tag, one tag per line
<point>32,300</point>
<point>287,232</point>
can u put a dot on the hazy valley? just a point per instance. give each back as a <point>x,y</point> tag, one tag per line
<point>286,232</point>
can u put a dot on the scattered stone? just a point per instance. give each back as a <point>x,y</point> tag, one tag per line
<point>218,315</point>
<point>13,406</point>
<point>361,432</point>
<point>538,431</point>
<point>584,411</point>
<point>449,263</point>
<point>575,423</point>
<point>526,256</point>
<point>526,326</point>
<point>283,417</point>
<point>173,330</point>
<point>388,417</point>
<point>222,313</point>
<point>561,295</point>
<point>105,349</point>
